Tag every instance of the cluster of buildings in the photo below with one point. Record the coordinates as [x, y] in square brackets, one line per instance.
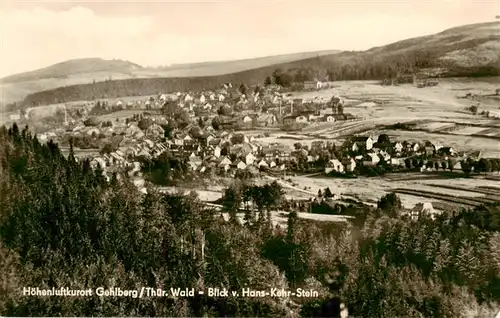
[364, 151]
[207, 144]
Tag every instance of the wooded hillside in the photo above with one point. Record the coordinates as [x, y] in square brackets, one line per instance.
[63, 225]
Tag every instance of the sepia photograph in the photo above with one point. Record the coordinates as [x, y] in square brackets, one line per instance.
[250, 158]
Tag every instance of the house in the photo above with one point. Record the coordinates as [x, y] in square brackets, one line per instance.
[179, 141]
[272, 164]
[334, 165]
[202, 99]
[384, 155]
[217, 152]
[98, 162]
[429, 151]
[397, 162]
[321, 85]
[202, 169]
[475, 155]
[289, 120]
[209, 138]
[241, 150]
[240, 164]
[148, 143]
[309, 85]
[371, 159]
[329, 118]
[155, 131]
[224, 163]
[15, 117]
[250, 159]
[195, 162]
[255, 148]
[422, 208]
[214, 141]
[131, 152]
[398, 147]
[446, 151]
[247, 119]
[360, 142]
[93, 131]
[415, 147]
[349, 164]
[221, 97]
[301, 119]
[188, 140]
[263, 163]
[267, 120]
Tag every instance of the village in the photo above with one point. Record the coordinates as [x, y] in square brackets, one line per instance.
[170, 139]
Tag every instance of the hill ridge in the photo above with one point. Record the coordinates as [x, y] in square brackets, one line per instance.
[468, 50]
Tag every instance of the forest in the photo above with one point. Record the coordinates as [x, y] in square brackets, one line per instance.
[63, 225]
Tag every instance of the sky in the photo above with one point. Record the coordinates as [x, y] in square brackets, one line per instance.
[35, 34]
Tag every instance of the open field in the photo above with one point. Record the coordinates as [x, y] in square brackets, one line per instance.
[411, 188]
[437, 111]
[414, 191]
[203, 195]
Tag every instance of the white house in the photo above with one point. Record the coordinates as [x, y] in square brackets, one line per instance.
[188, 98]
[263, 163]
[98, 162]
[221, 97]
[247, 119]
[362, 143]
[415, 147]
[301, 119]
[241, 165]
[371, 159]
[334, 165]
[225, 163]
[349, 164]
[15, 117]
[321, 84]
[385, 156]
[202, 99]
[329, 119]
[423, 208]
[250, 159]
[398, 147]
[397, 162]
